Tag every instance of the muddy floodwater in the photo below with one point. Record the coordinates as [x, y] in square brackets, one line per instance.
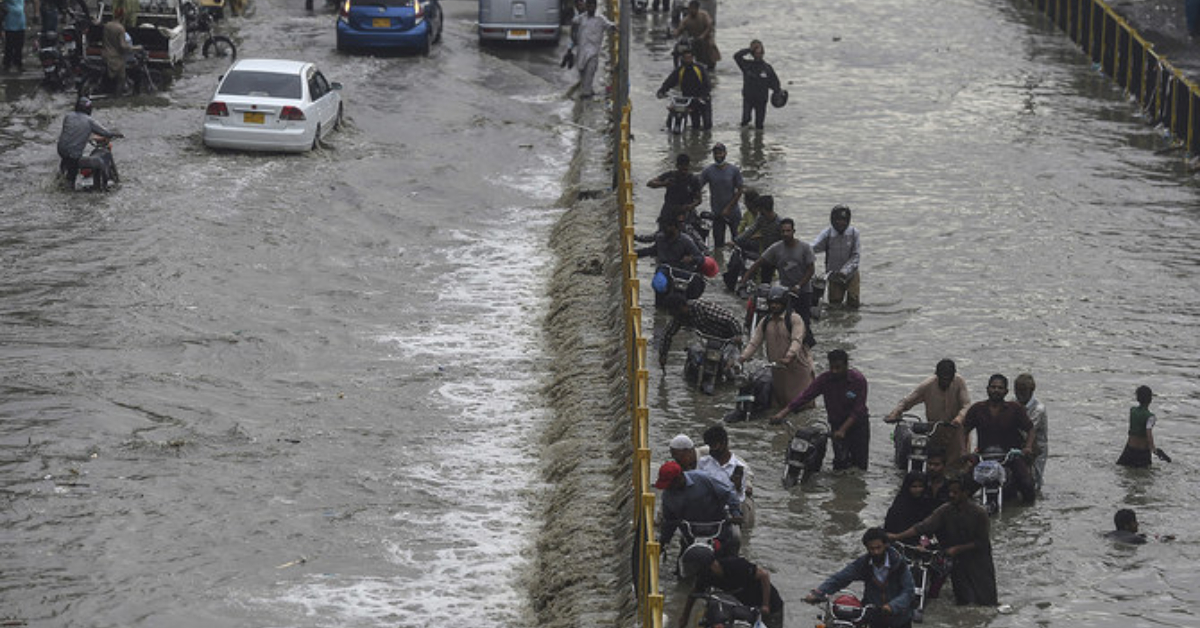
[339, 388]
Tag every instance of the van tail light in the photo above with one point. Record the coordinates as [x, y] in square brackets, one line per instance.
[291, 113]
[344, 12]
[217, 108]
[418, 11]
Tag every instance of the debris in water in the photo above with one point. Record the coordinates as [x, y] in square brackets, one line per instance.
[293, 563]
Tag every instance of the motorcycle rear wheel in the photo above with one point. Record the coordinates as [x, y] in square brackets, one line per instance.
[221, 47]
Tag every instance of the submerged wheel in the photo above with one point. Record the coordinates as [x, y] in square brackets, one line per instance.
[317, 138]
[338, 121]
[221, 47]
[437, 38]
[427, 45]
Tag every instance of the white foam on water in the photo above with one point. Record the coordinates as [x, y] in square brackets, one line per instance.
[464, 557]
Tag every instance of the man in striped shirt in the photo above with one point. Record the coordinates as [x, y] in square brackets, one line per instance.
[707, 318]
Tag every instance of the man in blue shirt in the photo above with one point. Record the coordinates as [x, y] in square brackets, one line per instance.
[695, 497]
[888, 582]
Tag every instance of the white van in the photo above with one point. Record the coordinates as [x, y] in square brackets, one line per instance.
[521, 20]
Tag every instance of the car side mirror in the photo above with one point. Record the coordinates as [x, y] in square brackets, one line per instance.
[220, 78]
[335, 85]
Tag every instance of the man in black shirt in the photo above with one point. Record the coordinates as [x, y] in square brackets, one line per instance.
[744, 580]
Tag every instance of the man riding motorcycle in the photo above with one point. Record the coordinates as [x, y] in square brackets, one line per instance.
[78, 127]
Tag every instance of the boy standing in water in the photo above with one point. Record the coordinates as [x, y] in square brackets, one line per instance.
[1141, 433]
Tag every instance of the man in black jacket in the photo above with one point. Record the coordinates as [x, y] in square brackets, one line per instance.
[758, 80]
[694, 81]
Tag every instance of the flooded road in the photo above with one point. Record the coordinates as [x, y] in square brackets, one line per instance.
[307, 390]
[1015, 217]
[270, 390]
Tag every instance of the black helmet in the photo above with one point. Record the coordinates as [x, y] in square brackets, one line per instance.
[779, 98]
[840, 211]
[778, 294]
[84, 105]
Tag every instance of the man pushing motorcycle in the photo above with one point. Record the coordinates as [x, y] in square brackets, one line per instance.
[79, 127]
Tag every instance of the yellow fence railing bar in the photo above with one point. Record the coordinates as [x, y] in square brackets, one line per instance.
[1167, 96]
[649, 596]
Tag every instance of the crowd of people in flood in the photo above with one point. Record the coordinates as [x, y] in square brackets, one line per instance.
[935, 508]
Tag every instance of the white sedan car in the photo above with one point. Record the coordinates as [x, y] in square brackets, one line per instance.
[272, 105]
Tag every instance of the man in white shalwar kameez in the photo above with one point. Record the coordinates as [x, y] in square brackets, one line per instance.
[587, 37]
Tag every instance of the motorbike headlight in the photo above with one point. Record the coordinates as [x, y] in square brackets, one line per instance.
[920, 441]
[800, 446]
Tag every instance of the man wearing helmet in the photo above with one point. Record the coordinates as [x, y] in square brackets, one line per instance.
[783, 333]
[78, 127]
[707, 318]
[845, 393]
[839, 241]
[742, 579]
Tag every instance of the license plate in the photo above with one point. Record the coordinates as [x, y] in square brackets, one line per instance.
[518, 34]
[254, 117]
[381, 22]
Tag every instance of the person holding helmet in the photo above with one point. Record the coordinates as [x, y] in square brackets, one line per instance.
[839, 241]
[78, 127]
[783, 334]
[694, 81]
[758, 80]
[708, 318]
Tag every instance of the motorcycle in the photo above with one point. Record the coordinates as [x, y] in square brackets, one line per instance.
[925, 564]
[992, 476]
[139, 77]
[639, 6]
[805, 453]
[199, 26]
[679, 110]
[753, 396]
[847, 611]
[757, 307]
[669, 279]
[739, 260]
[724, 610]
[61, 56]
[701, 542]
[708, 360]
[912, 439]
[819, 283]
[98, 167]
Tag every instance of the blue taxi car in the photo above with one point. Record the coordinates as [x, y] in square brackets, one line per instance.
[389, 25]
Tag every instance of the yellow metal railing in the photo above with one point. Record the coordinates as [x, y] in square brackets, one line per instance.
[649, 596]
[1166, 95]
[650, 599]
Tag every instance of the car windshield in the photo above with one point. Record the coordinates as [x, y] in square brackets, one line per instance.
[271, 84]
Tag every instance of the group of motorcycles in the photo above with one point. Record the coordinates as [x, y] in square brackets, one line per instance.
[66, 66]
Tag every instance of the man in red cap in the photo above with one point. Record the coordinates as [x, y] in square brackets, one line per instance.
[694, 497]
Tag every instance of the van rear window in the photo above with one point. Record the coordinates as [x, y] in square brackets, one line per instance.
[270, 84]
